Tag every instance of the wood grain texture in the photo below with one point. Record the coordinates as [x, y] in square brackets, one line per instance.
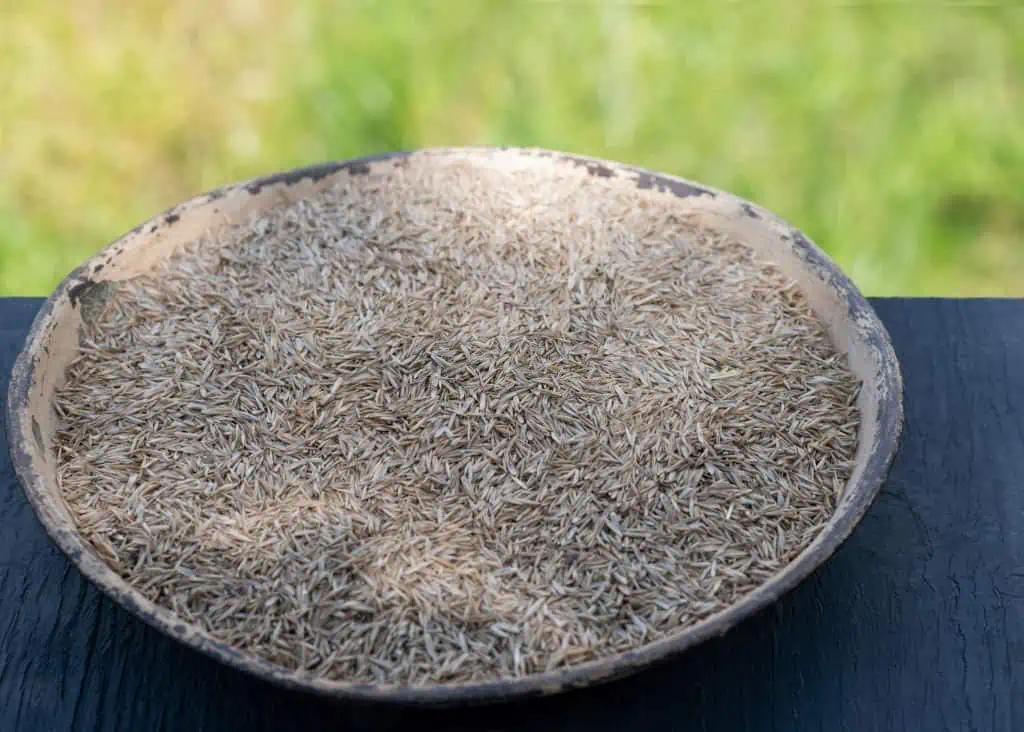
[916, 623]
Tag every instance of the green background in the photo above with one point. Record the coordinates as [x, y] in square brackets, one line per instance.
[891, 133]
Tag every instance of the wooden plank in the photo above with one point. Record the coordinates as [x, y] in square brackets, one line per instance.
[916, 623]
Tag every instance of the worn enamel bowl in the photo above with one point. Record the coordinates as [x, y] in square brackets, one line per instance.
[52, 344]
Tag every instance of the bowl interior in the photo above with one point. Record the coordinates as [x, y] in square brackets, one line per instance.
[53, 344]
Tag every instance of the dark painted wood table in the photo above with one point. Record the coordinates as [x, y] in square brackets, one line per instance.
[917, 623]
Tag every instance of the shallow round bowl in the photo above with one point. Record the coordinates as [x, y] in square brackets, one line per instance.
[53, 342]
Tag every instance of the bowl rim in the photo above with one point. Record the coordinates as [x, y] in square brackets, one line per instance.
[860, 495]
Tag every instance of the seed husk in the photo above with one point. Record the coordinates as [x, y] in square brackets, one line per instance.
[455, 422]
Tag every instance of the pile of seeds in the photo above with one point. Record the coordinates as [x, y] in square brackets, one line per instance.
[455, 422]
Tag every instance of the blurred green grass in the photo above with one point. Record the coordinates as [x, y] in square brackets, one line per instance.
[893, 134]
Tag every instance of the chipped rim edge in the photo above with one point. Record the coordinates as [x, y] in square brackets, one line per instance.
[888, 431]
